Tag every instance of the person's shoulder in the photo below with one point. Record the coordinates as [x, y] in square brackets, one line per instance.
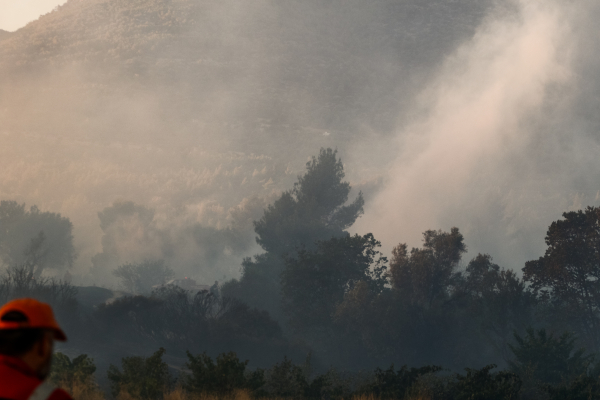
[60, 394]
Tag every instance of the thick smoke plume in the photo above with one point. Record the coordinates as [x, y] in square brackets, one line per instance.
[203, 112]
[469, 157]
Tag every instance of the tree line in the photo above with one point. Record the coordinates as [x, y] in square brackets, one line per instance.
[544, 367]
[318, 289]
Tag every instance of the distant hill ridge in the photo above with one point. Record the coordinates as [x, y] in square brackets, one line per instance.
[340, 54]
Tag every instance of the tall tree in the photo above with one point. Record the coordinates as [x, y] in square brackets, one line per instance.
[541, 359]
[426, 275]
[568, 275]
[313, 210]
[499, 300]
[35, 239]
[314, 282]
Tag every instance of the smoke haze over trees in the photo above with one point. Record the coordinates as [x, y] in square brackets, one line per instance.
[202, 112]
[36, 239]
[145, 140]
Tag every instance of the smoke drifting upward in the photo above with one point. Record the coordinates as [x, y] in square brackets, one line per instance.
[202, 112]
[463, 160]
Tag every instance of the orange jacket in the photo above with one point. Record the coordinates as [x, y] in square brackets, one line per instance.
[18, 382]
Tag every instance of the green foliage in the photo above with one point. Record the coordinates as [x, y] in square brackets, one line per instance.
[222, 377]
[313, 210]
[142, 377]
[542, 359]
[237, 319]
[284, 380]
[139, 278]
[314, 283]
[260, 284]
[69, 372]
[255, 382]
[176, 319]
[567, 276]
[498, 299]
[426, 275]
[359, 316]
[423, 318]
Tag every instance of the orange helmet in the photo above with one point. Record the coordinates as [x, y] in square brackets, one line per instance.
[39, 315]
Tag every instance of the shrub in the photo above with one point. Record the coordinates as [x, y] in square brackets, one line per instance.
[286, 380]
[482, 385]
[76, 376]
[65, 371]
[222, 377]
[547, 359]
[581, 388]
[18, 282]
[541, 360]
[142, 377]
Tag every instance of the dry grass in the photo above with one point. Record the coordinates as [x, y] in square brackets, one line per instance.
[90, 391]
[409, 397]
[364, 397]
[179, 394]
[87, 390]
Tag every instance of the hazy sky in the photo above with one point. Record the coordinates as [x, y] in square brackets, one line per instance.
[15, 14]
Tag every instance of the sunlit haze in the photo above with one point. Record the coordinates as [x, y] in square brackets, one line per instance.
[15, 14]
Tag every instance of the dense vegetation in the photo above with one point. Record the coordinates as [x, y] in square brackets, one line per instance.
[319, 291]
[566, 376]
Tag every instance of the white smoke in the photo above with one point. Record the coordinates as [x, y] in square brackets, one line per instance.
[454, 164]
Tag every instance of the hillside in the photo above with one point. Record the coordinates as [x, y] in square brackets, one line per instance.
[192, 107]
[289, 62]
